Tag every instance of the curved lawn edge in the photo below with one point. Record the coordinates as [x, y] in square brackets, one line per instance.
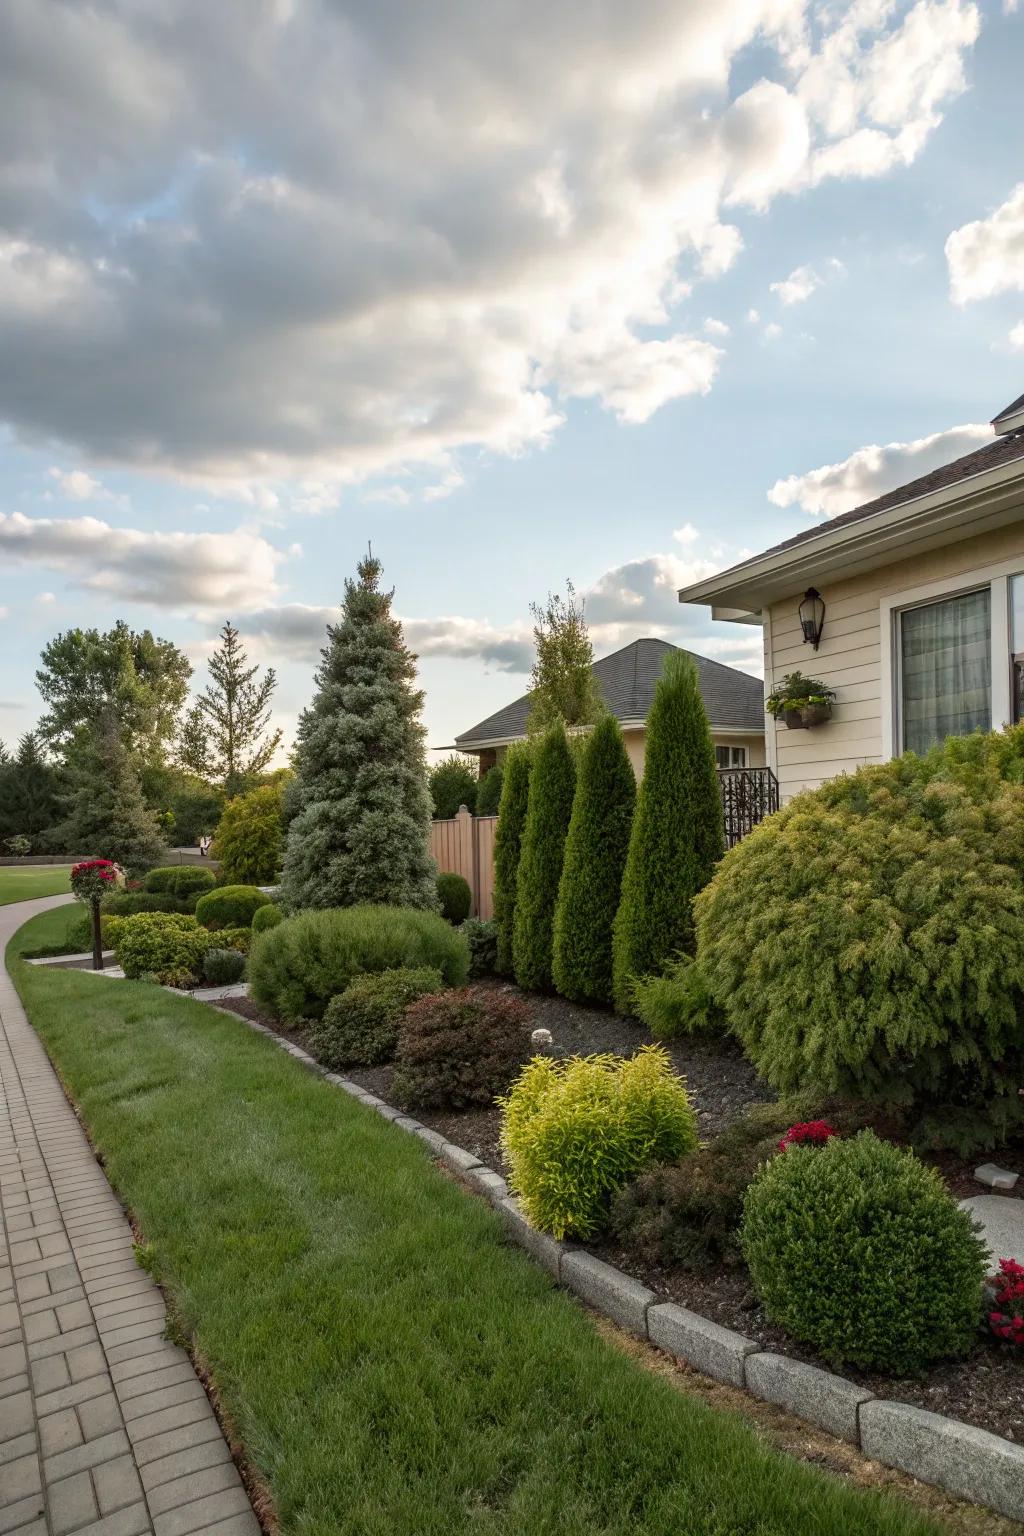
[390, 1363]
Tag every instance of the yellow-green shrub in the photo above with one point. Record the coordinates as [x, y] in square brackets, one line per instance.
[168, 944]
[575, 1131]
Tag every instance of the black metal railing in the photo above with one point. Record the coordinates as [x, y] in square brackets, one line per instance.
[748, 796]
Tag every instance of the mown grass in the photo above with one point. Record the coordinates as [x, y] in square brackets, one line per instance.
[392, 1367]
[28, 881]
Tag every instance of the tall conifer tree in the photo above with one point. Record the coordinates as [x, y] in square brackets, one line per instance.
[508, 847]
[109, 817]
[552, 781]
[225, 735]
[363, 825]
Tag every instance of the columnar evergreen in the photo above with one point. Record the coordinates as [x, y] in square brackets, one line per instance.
[595, 857]
[552, 782]
[677, 836]
[508, 847]
[362, 830]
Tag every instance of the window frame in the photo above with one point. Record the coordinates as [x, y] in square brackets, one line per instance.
[727, 746]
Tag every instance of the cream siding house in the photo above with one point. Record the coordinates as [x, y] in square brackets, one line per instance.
[734, 702]
[923, 630]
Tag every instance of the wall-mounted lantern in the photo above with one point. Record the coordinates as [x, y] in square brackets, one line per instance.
[812, 616]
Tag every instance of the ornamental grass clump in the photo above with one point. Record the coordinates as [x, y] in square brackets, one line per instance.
[360, 1025]
[858, 1249]
[457, 1050]
[575, 1131]
[868, 939]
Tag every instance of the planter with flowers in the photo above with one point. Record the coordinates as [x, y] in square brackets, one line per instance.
[90, 882]
[801, 701]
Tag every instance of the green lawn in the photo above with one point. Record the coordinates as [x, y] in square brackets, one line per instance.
[22, 883]
[392, 1367]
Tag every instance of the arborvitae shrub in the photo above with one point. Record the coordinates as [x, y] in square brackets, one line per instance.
[677, 1003]
[266, 917]
[360, 1025]
[482, 938]
[508, 840]
[677, 835]
[297, 967]
[575, 1131]
[459, 1049]
[595, 857]
[488, 791]
[222, 967]
[230, 906]
[860, 1251]
[869, 938]
[455, 897]
[250, 837]
[552, 783]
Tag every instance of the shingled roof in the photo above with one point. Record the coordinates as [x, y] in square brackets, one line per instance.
[734, 700]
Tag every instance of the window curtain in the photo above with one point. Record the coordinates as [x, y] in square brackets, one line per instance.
[946, 669]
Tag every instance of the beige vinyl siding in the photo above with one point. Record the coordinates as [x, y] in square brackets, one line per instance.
[756, 757]
[849, 659]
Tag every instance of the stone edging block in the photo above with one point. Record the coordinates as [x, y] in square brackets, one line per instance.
[969, 1462]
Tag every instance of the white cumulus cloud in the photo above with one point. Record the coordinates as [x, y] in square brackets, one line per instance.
[871, 471]
[986, 257]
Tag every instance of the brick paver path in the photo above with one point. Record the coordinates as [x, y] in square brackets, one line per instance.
[104, 1427]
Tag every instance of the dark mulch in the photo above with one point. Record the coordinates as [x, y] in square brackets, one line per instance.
[986, 1389]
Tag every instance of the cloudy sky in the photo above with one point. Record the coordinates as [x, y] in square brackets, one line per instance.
[519, 292]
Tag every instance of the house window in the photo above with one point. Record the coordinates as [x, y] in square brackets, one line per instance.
[730, 757]
[945, 668]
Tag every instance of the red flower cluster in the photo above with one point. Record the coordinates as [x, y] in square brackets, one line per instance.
[1007, 1323]
[807, 1133]
[102, 868]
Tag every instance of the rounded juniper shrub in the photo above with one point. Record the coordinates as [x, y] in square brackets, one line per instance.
[266, 917]
[859, 1250]
[574, 1131]
[460, 1049]
[455, 896]
[222, 967]
[230, 906]
[360, 1025]
[869, 939]
[296, 967]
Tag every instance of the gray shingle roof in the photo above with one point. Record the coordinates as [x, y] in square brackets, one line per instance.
[734, 700]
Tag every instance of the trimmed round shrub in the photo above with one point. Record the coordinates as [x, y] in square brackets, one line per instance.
[127, 903]
[249, 840]
[575, 1131]
[459, 1049]
[552, 782]
[361, 1024]
[482, 938]
[455, 896]
[182, 880]
[230, 906]
[858, 1249]
[170, 944]
[508, 840]
[267, 916]
[488, 791]
[869, 939]
[222, 967]
[296, 967]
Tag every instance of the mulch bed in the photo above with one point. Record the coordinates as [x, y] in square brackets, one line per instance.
[986, 1389]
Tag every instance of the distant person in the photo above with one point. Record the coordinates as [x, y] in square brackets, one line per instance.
[204, 846]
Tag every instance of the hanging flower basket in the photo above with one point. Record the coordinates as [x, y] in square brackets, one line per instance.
[801, 701]
[801, 717]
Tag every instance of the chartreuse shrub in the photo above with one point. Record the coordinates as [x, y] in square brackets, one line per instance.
[552, 783]
[860, 1251]
[298, 966]
[79, 932]
[171, 945]
[508, 841]
[677, 835]
[222, 967]
[361, 1024]
[595, 857]
[182, 880]
[250, 837]
[869, 939]
[482, 937]
[267, 916]
[230, 906]
[679, 1002]
[575, 1131]
[454, 895]
[460, 1049]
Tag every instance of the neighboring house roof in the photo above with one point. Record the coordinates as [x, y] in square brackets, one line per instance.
[970, 495]
[734, 700]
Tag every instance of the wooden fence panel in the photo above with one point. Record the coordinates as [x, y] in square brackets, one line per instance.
[465, 846]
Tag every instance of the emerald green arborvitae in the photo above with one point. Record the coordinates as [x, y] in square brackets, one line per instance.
[595, 857]
[362, 830]
[552, 782]
[677, 836]
[508, 842]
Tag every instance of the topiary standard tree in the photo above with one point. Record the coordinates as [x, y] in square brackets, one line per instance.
[677, 837]
[508, 842]
[552, 783]
[362, 829]
[109, 816]
[595, 857]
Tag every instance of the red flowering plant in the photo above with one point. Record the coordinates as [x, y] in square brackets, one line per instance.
[90, 882]
[807, 1133]
[1006, 1289]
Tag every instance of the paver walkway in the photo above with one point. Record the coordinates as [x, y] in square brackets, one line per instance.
[104, 1427]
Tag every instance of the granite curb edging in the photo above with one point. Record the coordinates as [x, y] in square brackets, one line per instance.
[972, 1463]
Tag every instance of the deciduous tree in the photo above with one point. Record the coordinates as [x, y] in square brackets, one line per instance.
[562, 684]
